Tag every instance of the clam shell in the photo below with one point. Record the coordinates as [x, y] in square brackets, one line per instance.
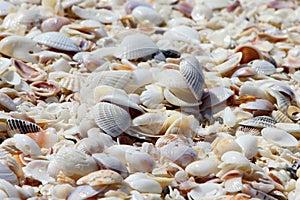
[44, 138]
[28, 72]
[249, 53]
[192, 72]
[56, 40]
[259, 122]
[18, 126]
[54, 23]
[258, 104]
[141, 183]
[279, 137]
[136, 46]
[112, 119]
[131, 5]
[19, 47]
[44, 89]
[37, 169]
[140, 161]
[27, 145]
[249, 145]
[181, 97]
[11, 77]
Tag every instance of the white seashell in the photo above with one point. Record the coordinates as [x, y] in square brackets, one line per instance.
[146, 15]
[8, 175]
[171, 78]
[150, 123]
[54, 23]
[235, 158]
[102, 15]
[229, 117]
[6, 8]
[89, 145]
[27, 145]
[263, 67]
[221, 145]
[175, 99]
[142, 183]
[46, 138]
[6, 103]
[288, 127]
[220, 38]
[230, 64]
[139, 161]
[202, 168]
[152, 96]
[83, 192]
[136, 46]
[8, 189]
[110, 162]
[112, 119]
[11, 77]
[207, 190]
[37, 169]
[182, 33]
[215, 96]
[61, 191]
[258, 104]
[56, 40]
[119, 151]
[72, 162]
[19, 47]
[233, 184]
[192, 72]
[100, 178]
[248, 143]
[279, 137]
[4, 64]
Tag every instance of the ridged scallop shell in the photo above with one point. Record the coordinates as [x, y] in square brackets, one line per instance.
[19, 47]
[145, 14]
[263, 67]
[18, 126]
[136, 46]
[280, 117]
[259, 122]
[152, 96]
[247, 130]
[56, 40]
[192, 72]
[279, 137]
[282, 101]
[112, 119]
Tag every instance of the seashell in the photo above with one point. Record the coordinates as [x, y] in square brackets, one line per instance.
[37, 169]
[291, 128]
[102, 15]
[82, 192]
[229, 117]
[180, 154]
[248, 143]
[203, 168]
[131, 5]
[112, 119]
[182, 33]
[262, 67]
[18, 126]
[144, 14]
[150, 123]
[7, 174]
[185, 8]
[8, 190]
[249, 53]
[282, 102]
[54, 23]
[44, 138]
[44, 89]
[28, 72]
[152, 96]
[136, 46]
[206, 190]
[233, 181]
[280, 117]
[258, 104]
[259, 122]
[215, 96]
[231, 62]
[11, 77]
[20, 48]
[119, 151]
[280, 5]
[139, 161]
[100, 178]
[223, 145]
[6, 8]
[61, 191]
[192, 72]
[27, 145]
[110, 162]
[244, 72]
[171, 138]
[293, 112]
[72, 162]
[141, 183]
[279, 137]
[57, 41]
[234, 158]
[181, 97]
[6, 103]
[89, 146]
[171, 78]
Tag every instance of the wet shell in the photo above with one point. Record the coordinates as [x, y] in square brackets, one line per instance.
[259, 122]
[112, 119]
[18, 126]
[100, 178]
[192, 72]
[56, 40]
[279, 137]
[136, 46]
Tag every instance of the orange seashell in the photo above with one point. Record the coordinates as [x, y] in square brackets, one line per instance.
[249, 53]
[44, 138]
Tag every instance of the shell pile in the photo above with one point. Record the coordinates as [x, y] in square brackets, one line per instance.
[164, 99]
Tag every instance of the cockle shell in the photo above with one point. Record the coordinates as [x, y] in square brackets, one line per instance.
[56, 40]
[18, 126]
[258, 104]
[279, 137]
[101, 178]
[259, 122]
[152, 96]
[19, 47]
[263, 67]
[111, 118]
[136, 46]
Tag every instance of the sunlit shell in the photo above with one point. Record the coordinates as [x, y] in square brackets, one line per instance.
[145, 14]
[44, 138]
[258, 104]
[28, 72]
[112, 119]
[282, 101]
[151, 123]
[89, 145]
[131, 5]
[83, 191]
[279, 137]
[142, 183]
[249, 145]
[140, 161]
[136, 46]
[101, 177]
[259, 122]
[19, 47]
[27, 145]
[8, 190]
[18, 126]
[281, 117]
[223, 145]
[215, 96]
[182, 33]
[152, 96]
[56, 40]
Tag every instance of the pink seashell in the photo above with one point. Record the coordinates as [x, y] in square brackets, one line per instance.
[184, 8]
[44, 89]
[28, 72]
[54, 23]
[281, 4]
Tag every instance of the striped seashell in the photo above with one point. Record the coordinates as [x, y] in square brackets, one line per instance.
[192, 72]
[56, 40]
[18, 126]
[136, 46]
[263, 67]
[282, 102]
[247, 130]
[280, 117]
[111, 118]
[259, 122]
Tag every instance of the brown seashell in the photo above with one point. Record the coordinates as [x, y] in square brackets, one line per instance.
[249, 53]
[44, 89]
[293, 112]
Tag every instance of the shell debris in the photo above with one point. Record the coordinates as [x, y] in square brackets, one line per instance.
[143, 99]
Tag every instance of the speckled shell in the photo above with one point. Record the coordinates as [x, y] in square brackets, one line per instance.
[56, 40]
[112, 119]
[136, 46]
